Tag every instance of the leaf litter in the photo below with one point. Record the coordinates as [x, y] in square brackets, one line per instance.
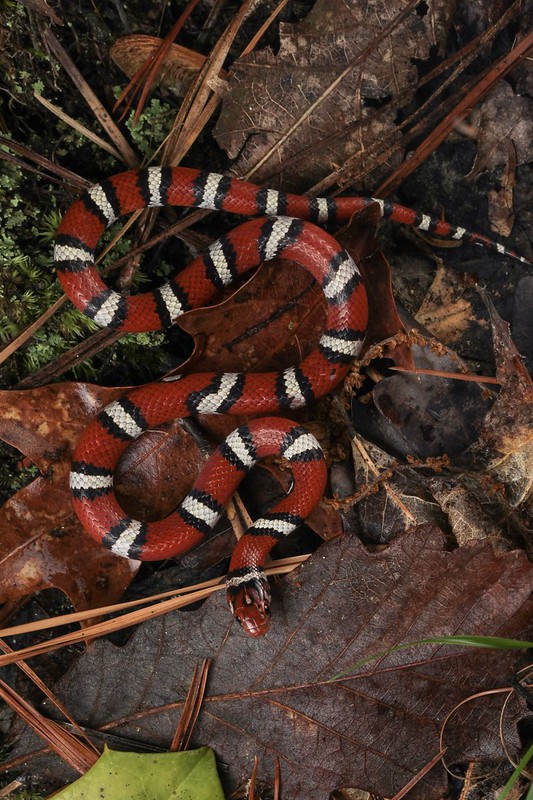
[273, 699]
[295, 97]
[43, 544]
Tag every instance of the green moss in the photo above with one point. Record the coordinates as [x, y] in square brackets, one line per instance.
[14, 473]
[28, 284]
[152, 126]
[29, 216]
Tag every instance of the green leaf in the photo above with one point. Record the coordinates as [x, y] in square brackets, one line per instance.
[189, 775]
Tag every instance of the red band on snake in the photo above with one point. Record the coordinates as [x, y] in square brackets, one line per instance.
[103, 442]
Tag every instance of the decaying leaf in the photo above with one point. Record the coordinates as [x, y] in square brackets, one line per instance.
[422, 415]
[42, 543]
[505, 116]
[487, 434]
[330, 89]
[468, 519]
[501, 211]
[445, 311]
[403, 499]
[272, 697]
[505, 444]
[158, 471]
[504, 140]
[522, 320]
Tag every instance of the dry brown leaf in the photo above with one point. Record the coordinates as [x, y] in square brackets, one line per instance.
[177, 71]
[271, 697]
[292, 96]
[501, 210]
[402, 501]
[468, 519]
[445, 311]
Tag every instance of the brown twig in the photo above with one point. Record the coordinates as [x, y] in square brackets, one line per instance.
[456, 376]
[51, 697]
[99, 111]
[78, 755]
[460, 111]
[360, 58]
[185, 597]
[147, 72]
[185, 128]
[191, 707]
[383, 149]
[419, 775]
[59, 173]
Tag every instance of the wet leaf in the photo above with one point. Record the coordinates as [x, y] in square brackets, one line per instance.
[501, 211]
[42, 543]
[271, 322]
[272, 697]
[485, 433]
[156, 473]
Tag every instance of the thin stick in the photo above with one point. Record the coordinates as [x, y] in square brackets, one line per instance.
[419, 775]
[461, 110]
[99, 111]
[77, 126]
[281, 567]
[456, 376]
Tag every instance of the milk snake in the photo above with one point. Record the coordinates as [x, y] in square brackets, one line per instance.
[282, 233]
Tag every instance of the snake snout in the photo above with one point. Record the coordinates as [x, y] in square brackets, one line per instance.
[250, 605]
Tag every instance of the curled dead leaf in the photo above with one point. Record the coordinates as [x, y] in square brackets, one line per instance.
[177, 71]
[445, 311]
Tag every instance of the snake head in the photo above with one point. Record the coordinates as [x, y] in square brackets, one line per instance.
[249, 601]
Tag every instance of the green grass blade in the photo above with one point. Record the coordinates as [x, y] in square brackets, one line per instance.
[493, 642]
[520, 767]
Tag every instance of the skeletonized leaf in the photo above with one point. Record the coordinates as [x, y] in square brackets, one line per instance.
[292, 97]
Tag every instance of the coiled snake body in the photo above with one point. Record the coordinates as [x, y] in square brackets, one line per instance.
[284, 234]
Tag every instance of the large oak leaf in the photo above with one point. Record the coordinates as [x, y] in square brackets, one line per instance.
[272, 696]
